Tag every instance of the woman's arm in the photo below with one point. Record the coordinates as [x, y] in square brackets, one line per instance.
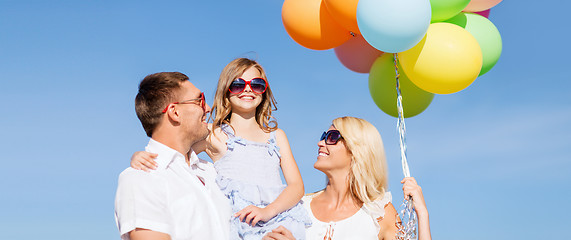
[289, 196]
[412, 189]
[388, 223]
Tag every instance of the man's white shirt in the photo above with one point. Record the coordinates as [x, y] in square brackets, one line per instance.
[172, 199]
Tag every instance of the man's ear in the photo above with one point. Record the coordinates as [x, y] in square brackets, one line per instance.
[173, 114]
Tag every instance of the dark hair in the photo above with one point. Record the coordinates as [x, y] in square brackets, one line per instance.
[156, 91]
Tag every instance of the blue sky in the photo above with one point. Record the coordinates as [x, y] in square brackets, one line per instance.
[493, 159]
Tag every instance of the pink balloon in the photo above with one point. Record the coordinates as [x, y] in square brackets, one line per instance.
[357, 55]
[485, 14]
[480, 5]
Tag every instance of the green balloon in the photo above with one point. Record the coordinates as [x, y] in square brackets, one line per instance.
[382, 86]
[445, 9]
[485, 33]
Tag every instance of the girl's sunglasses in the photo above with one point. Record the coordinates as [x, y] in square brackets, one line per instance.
[258, 85]
[331, 137]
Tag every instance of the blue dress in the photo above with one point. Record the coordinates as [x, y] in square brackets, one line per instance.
[249, 174]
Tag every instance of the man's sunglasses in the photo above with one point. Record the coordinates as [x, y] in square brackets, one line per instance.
[201, 102]
[331, 137]
[258, 85]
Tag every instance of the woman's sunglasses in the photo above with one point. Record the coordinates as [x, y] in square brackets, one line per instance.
[331, 137]
[258, 85]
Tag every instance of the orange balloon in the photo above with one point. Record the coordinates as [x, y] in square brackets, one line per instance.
[345, 13]
[309, 23]
[481, 5]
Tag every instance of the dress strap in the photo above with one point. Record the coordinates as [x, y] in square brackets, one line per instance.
[273, 146]
[227, 129]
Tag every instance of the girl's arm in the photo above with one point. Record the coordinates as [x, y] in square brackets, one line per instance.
[289, 196]
[144, 161]
[216, 143]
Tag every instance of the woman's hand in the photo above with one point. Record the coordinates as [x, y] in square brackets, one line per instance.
[144, 161]
[280, 233]
[411, 189]
[252, 215]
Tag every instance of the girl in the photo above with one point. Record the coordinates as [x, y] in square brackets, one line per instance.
[248, 149]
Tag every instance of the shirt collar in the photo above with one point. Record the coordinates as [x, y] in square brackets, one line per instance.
[193, 158]
[167, 155]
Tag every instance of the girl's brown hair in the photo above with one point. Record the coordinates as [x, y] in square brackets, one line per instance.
[221, 108]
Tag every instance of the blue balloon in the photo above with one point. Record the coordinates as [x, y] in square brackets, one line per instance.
[393, 25]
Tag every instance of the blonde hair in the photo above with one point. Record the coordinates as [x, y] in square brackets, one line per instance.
[367, 178]
[222, 109]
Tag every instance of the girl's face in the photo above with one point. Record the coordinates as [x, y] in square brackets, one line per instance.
[332, 157]
[247, 100]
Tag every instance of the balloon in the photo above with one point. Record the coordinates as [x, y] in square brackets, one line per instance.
[382, 86]
[485, 13]
[485, 33]
[445, 9]
[309, 24]
[481, 5]
[393, 26]
[447, 60]
[344, 12]
[357, 55]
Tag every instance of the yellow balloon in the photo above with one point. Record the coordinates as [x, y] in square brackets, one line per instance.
[447, 60]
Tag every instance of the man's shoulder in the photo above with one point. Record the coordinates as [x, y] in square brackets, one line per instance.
[134, 176]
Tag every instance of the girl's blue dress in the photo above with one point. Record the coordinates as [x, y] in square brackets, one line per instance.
[249, 174]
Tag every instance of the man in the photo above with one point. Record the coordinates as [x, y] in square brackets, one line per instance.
[180, 200]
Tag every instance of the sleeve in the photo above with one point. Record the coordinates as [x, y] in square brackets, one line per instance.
[141, 202]
[376, 209]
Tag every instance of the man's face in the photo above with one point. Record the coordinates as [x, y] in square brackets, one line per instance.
[192, 115]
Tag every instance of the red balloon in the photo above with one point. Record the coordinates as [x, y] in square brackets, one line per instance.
[357, 54]
[485, 13]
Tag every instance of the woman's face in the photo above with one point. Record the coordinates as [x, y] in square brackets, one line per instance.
[247, 100]
[332, 157]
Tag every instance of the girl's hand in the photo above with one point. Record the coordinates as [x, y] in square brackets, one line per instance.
[280, 233]
[411, 189]
[252, 215]
[144, 161]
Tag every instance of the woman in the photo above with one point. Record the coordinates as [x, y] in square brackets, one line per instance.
[355, 203]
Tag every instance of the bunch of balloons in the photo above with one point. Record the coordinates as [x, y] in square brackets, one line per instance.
[442, 45]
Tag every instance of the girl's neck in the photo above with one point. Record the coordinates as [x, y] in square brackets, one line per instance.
[244, 120]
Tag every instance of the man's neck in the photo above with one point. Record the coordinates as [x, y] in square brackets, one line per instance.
[174, 141]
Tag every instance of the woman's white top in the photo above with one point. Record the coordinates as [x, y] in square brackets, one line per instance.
[362, 225]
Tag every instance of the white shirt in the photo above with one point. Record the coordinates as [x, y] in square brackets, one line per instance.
[362, 225]
[172, 199]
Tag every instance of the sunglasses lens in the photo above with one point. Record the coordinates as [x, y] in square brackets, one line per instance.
[332, 137]
[237, 86]
[323, 136]
[258, 85]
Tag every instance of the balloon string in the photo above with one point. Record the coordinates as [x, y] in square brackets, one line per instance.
[406, 229]
[400, 123]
